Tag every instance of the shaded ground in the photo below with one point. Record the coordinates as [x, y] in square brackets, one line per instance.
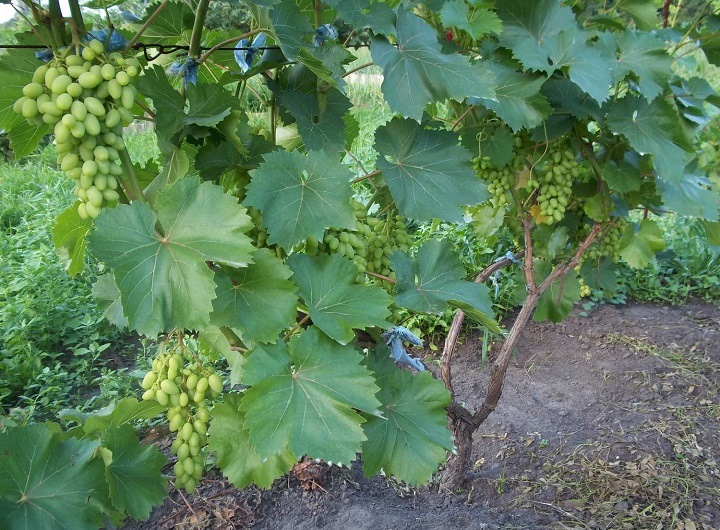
[610, 421]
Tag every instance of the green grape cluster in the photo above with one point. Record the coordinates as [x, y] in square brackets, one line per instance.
[183, 386]
[608, 244]
[258, 233]
[500, 179]
[554, 182]
[585, 290]
[369, 246]
[87, 98]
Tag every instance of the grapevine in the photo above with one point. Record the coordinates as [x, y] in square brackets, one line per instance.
[88, 98]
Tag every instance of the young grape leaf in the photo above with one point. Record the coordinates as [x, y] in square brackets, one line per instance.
[712, 232]
[48, 483]
[498, 145]
[559, 298]
[301, 195]
[643, 12]
[479, 22]
[24, 138]
[411, 439]
[236, 457]
[360, 14]
[622, 177]
[291, 28]
[69, 235]
[244, 296]
[435, 279]
[135, 473]
[652, 128]
[169, 103]
[550, 240]
[169, 26]
[638, 249]
[416, 72]
[159, 257]
[518, 100]
[336, 303]
[126, 412]
[17, 69]
[108, 298]
[320, 131]
[209, 104]
[306, 399]
[428, 173]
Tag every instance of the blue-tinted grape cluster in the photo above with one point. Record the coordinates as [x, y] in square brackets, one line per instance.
[183, 385]
[87, 98]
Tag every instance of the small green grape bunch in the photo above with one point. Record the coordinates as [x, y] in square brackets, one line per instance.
[389, 235]
[500, 179]
[608, 244]
[258, 233]
[555, 182]
[180, 382]
[87, 98]
[585, 290]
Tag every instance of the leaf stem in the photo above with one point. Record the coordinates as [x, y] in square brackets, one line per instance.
[146, 25]
[57, 26]
[358, 68]
[366, 176]
[380, 276]
[129, 180]
[296, 327]
[198, 26]
[76, 15]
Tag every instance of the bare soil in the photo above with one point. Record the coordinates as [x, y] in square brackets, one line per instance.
[610, 421]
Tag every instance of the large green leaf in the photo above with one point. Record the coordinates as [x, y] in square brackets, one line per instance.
[170, 25]
[69, 235]
[320, 131]
[638, 248]
[375, 15]
[428, 173]
[135, 472]
[259, 299]
[645, 58]
[336, 303]
[16, 70]
[291, 28]
[643, 12]
[600, 273]
[24, 138]
[159, 257]
[519, 102]
[209, 104]
[652, 128]
[169, 103]
[477, 21]
[301, 195]
[236, 457]
[304, 397]
[435, 278]
[126, 412]
[559, 298]
[411, 438]
[416, 72]
[693, 196]
[528, 25]
[48, 483]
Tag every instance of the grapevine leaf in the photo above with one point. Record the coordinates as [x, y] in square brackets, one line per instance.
[320, 131]
[638, 249]
[291, 28]
[69, 239]
[209, 104]
[24, 138]
[643, 12]
[308, 401]
[519, 102]
[336, 303]
[559, 298]
[411, 439]
[17, 70]
[170, 25]
[48, 483]
[692, 196]
[528, 25]
[236, 457]
[108, 298]
[499, 146]
[244, 296]
[600, 274]
[428, 173]
[435, 279]
[176, 164]
[377, 16]
[644, 57]
[135, 473]
[550, 241]
[416, 72]
[327, 62]
[566, 97]
[486, 220]
[622, 177]
[169, 103]
[456, 13]
[126, 412]
[712, 231]
[301, 195]
[159, 259]
[597, 208]
[215, 160]
[652, 128]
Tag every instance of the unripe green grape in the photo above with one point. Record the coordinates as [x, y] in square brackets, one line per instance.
[94, 106]
[60, 84]
[149, 380]
[150, 393]
[167, 385]
[64, 102]
[125, 116]
[29, 108]
[123, 78]
[39, 74]
[92, 125]
[112, 118]
[115, 89]
[128, 96]
[200, 427]
[102, 90]
[215, 383]
[96, 46]
[90, 80]
[33, 90]
[186, 432]
[107, 71]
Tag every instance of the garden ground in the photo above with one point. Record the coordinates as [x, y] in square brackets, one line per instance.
[610, 421]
